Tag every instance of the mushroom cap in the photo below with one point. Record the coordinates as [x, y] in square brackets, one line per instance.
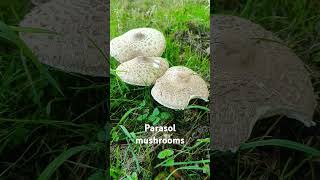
[38, 2]
[178, 86]
[254, 76]
[146, 42]
[79, 23]
[142, 71]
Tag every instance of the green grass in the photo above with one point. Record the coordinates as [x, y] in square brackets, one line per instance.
[48, 118]
[185, 25]
[297, 24]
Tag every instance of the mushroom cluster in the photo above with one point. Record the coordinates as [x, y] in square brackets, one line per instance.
[139, 51]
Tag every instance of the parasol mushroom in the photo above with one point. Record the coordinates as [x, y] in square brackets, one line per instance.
[137, 42]
[81, 43]
[178, 86]
[254, 76]
[142, 71]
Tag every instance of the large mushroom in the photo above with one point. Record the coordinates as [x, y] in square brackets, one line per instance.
[137, 42]
[178, 86]
[81, 43]
[142, 71]
[254, 76]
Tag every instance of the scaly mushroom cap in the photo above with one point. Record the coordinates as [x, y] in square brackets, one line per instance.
[254, 76]
[178, 86]
[82, 31]
[142, 71]
[38, 2]
[146, 42]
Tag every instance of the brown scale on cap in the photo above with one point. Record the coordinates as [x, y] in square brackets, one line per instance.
[139, 36]
[254, 76]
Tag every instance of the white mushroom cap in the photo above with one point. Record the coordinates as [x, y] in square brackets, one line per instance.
[178, 86]
[39, 2]
[142, 71]
[82, 29]
[254, 77]
[137, 42]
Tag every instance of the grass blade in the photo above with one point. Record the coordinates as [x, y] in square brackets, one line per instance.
[198, 107]
[282, 143]
[126, 132]
[189, 162]
[184, 168]
[58, 161]
[32, 30]
[9, 34]
[33, 88]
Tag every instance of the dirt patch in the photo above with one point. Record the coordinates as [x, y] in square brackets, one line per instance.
[196, 36]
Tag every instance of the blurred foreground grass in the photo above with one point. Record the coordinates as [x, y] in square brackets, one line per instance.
[44, 131]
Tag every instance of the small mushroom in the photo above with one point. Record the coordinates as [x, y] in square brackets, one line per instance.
[254, 76]
[178, 86]
[146, 42]
[80, 43]
[142, 71]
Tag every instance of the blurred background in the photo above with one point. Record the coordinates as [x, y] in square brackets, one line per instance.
[297, 23]
[42, 124]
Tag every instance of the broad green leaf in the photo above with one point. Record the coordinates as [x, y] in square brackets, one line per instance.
[165, 115]
[142, 117]
[156, 121]
[165, 153]
[169, 162]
